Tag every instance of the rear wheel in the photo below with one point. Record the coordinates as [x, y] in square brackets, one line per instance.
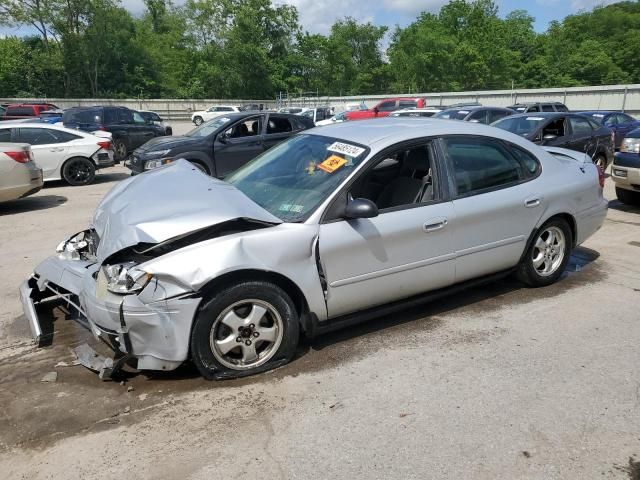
[198, 121]
[246, 328]
[627, 196]
[119, 149]
[548, 254]
[79, 171]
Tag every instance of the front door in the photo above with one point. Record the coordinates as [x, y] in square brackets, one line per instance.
[238, 145]
[404, 251]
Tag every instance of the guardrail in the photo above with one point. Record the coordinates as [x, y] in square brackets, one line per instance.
[608, 97]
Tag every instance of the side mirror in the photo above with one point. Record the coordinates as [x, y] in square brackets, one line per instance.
[548, 137]
[224, 137]
[361, 208]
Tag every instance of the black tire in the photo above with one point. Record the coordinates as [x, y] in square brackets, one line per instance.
[120, 150]
[627, 196]
[600, 160]
[168, 132]
[531, 273]
[198, 121]
[238, 302]
[79, 171]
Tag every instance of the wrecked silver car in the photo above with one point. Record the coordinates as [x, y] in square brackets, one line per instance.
[323, 230]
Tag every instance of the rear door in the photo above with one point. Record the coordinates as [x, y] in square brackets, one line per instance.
[239, 144]
[581, 139]
[49, 148]
[497, 201]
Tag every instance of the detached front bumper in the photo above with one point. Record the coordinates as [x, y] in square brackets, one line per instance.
[151, 327]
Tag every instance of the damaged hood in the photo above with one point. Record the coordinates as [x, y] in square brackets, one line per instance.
[165, 203]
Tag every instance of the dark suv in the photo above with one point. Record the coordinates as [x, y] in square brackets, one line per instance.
[222, 145]
[528, 107]
[19, 111]
[128, 128]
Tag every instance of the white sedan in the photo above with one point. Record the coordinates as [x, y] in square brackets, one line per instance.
[62, 153]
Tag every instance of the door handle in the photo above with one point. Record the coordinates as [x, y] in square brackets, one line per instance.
[433, 225]
[532, 202]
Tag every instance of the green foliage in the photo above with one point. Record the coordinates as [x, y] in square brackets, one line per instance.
[256, 48]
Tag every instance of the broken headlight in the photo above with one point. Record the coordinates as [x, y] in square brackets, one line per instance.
[125, 278]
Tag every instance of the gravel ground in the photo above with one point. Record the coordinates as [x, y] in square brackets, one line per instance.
[497, 382]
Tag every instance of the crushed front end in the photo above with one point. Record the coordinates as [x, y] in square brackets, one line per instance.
[144, 319]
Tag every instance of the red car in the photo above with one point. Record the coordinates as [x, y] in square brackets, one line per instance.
[18, 111]
[385, 107]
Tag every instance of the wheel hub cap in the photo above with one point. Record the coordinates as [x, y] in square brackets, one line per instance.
[548, 252]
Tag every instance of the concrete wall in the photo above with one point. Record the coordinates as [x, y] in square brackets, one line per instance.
[610, 97]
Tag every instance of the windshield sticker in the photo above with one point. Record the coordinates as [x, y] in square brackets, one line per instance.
[535, 119]
[288, 207]
[332, 164]
[311, 168]
[463, 112]
[598, 115]
[225, 119]
[345, 149]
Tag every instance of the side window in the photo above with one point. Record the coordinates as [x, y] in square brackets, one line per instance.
[126, 116]
[388, 106]
[530, 163]
[278, 125]
[556, 127]
[622, 118]
[547, 108]
[561, 108]
[249, 127]
[479, 117]
[408, 103]
[138, 119]
[580, 126]
[533, 108]
[36, 136]
[482, 164]
[403, 177]
[611, 121]
[111, 116]
[495, 115]
[5, 135]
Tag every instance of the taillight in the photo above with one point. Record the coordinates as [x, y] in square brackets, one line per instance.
[600, 176]
[105, 145]
[103, 128]
[20, 157]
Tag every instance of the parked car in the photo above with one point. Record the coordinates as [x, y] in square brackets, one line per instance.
[565, 130]
[128, 128]
[385, 107]
[337, 118]
[19, 174]
[293, 110]
[17, 111]
[334, 225]
[620, 123]
[62, 153]
[154, 118]
[475, 114]
[252, 107]
[222, 145]
[416, 112]
[202, 116]
[317, 114]
[528, 107]
[625, 170]
[52, 116]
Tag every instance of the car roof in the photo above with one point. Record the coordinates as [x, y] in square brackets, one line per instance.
[547, 114]
[536, 103]
[50, 126]
[382, 132]
[602, 112]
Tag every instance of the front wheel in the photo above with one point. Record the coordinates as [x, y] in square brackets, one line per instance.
[548, 254]
[198, 121]
[246, 328]
[79, 171]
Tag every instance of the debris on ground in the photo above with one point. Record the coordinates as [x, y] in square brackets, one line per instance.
[130, 389]
[50, 377]
[67, 364]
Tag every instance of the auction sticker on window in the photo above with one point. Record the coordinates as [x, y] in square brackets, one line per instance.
[345, 149]
[333, 163]
[535, 119]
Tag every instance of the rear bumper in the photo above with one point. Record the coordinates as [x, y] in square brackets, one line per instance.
[152, 330]
[19, 186]
[590, 221]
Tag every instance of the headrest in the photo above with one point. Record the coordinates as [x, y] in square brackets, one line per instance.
[417, 159]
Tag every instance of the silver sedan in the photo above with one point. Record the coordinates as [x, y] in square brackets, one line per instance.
[330, 227]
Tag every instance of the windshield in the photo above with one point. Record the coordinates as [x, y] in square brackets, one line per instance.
[452, 114]
[293, 178]
[209, 127]
[520, 125]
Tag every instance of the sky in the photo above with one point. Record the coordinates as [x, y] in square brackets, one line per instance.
[317, 16]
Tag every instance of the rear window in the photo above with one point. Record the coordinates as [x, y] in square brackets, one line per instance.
[547, 108]
[408, 103]
[87, 117]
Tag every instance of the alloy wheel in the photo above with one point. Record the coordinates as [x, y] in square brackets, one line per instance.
[549, 250]
[246, 334]
[79, 171]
